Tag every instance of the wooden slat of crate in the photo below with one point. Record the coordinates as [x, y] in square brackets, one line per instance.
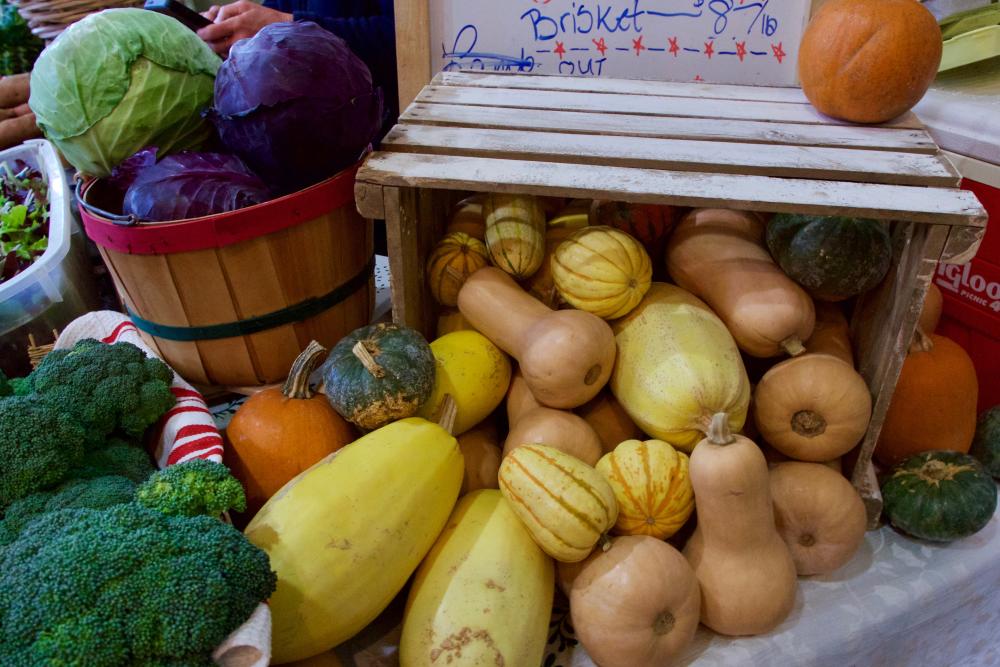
[811, 162]
[666, 127]
[652, 186]
[623, 86]
[648, 105]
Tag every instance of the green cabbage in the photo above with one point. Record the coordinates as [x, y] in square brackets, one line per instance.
[121, 80]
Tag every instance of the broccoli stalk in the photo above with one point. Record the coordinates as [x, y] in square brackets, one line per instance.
[192, 488]
[126, 585]
[107, 388]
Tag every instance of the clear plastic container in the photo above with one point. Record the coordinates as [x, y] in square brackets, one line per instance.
[59, 286]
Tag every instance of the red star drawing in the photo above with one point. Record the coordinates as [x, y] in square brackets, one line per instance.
[709, 49]
[673, 46]
[601, 46]
[698, 77]
[779, 53]
[637, 45]
[560, 49]
[741, 50]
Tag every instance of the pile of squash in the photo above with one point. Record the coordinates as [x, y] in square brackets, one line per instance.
[571, 418]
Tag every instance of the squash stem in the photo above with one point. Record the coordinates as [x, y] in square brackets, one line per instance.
[447, 413]
[793, 346]
[364, 355]
[718, 430]
[921, 342]
[297, 384]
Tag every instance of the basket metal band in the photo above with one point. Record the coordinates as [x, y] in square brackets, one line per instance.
[294, 313]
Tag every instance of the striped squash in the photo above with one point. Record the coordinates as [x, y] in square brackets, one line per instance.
[602, 270]
[515, 233]
[651, 484]
[456, 257]
[565, 504]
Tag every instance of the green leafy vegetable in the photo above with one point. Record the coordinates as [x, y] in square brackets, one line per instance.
[18, 47]
[24, 218]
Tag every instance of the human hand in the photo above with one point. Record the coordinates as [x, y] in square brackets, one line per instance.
[237, 21]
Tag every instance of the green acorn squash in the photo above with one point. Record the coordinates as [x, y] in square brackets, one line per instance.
[378, 374]
[939, 496]
[986, 445]
[833, 258]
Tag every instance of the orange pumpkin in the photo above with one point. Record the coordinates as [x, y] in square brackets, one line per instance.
[934, 405]
[868, 61]
[278, 433]
[456, 257]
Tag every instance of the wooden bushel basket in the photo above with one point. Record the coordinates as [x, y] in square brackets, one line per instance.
[232, 299]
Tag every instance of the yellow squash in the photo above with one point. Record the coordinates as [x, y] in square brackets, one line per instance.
[515, 233]
[483, 595]
[651, 483]
[565, 504]
[602, 270]
[677, 366]
[474, 371]
[346, 534]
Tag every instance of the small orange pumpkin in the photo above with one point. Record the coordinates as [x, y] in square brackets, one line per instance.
[456, 257]
[868, 61]
[278, 433]
[934, 405]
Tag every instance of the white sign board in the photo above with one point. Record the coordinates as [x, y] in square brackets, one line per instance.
[720, 41]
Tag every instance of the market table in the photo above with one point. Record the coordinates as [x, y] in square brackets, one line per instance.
[899, 602]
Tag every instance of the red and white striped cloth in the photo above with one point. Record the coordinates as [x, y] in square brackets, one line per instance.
[187, 431]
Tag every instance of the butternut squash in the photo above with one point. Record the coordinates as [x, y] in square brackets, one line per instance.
[819, 515]
[566, 356]
[635, 605]
[483, 595]
[813, 407]
[677, 366]
[609, 420]
[473, 371]
[532, 423]
[335, 573]
[481, 452]
[719, 255]
[745, 570]
[832, 334]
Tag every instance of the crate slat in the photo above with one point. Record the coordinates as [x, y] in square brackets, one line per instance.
[637, 104]
[757, 193]
[729, 157]
[622, 86]
[667, 127]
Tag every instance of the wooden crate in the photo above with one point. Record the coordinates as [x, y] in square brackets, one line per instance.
[684, 144]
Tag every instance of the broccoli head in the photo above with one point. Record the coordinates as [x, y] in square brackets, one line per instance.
[117, 458]
[107, 388]
[39, 444]
[191, 488]
[95, 493]
[126, 585]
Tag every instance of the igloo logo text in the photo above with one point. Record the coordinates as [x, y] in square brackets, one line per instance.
[968, 282]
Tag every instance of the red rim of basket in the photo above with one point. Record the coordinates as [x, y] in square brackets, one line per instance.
[218, 231]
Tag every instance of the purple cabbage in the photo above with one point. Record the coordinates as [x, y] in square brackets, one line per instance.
[296, 104]
[124, 174]
[192, 185]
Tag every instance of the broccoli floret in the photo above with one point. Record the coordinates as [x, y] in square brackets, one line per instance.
[116, 459]
[105, 387]
[126, 586]
[191, 488]
[96, 493]
[39, 444]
